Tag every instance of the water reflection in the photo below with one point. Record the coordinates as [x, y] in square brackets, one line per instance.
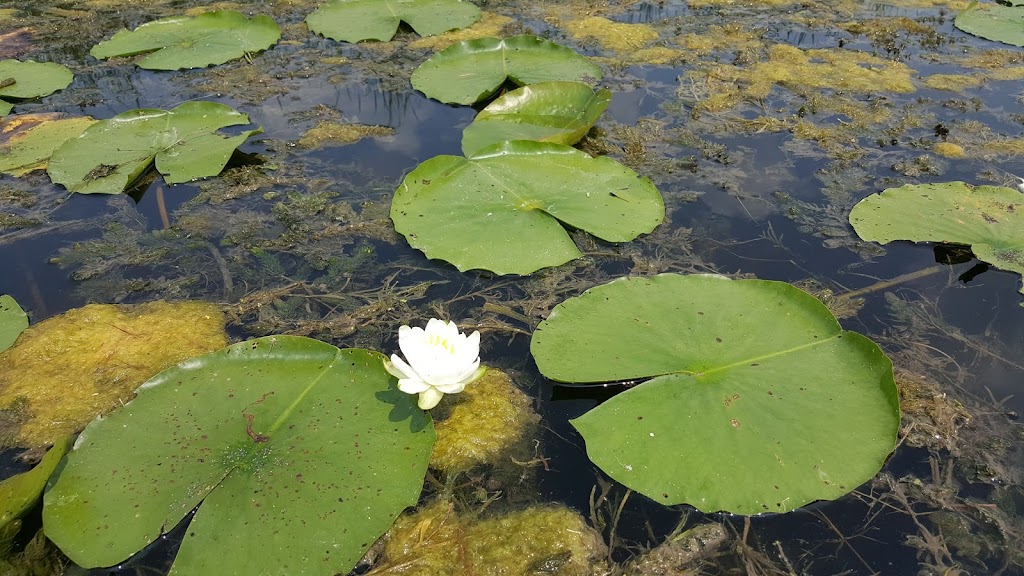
[648, 12]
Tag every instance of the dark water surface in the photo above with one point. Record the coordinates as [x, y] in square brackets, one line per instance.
[740, 200]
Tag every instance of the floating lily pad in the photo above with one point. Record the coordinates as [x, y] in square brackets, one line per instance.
[757, 400]
[473, 70]
[64, 371]
[503, 209]
[13, 321]
[288, 442]
[559, 112]
[993, 22]
[28, 140]
[19, 493]
[989, 219]
[184, 144]
[357, 20]
[30, 80]
[192, 42]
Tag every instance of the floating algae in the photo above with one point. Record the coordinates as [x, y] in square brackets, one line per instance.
[64, 371]
[491, 417]
[436, 540]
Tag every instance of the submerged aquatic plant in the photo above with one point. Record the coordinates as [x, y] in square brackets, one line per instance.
[439, 360]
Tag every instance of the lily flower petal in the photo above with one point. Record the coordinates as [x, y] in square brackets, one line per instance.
[438, 360]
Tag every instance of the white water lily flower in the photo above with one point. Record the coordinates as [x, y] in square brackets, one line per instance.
[439, 360]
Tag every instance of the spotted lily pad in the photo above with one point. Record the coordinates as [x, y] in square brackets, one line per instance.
[473, 70]
[993, 22]
[754, 400]
[299, 456]
[560, 112]
[192, 42]
[13, 321]
[358, 20]
[989, 219]
[20, 80]
[503, 208]
[64, 371]
[183, 143]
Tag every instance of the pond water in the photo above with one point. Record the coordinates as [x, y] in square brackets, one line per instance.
[756, 184]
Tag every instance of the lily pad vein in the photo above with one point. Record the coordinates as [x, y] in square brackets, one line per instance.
[756, 359]
[305, 392]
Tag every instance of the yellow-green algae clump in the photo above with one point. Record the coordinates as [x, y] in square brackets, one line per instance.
[953, 82]
[326, 133]
[803, 70]
[617, 36]
[548, 539]
[64, 371]
[490, 417]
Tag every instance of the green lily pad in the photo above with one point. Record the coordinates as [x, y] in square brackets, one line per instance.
[183, 143]
[192, 42]
[758, 401]
[30, 80]
[28, 140]
[473, 70]
[989, 219]
[993, 22]
[13, 321]
[357, 20]
[299, 455]
[19, 493]
[502, 209]
[559, 112]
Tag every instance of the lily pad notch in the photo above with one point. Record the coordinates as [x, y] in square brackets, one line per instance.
[503, 209]
[473, 70]
[192, 42]
[358, 20]
[989, 219]
[182, 143]
[281, 419]
[755, 399]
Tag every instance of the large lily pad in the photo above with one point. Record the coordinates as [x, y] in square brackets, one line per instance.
[993, 22]
[28, 140]
[298, 454]
[183, 143]
[758, 401]
[192, 42]
[13, 321]
[357, 20]
[64, 371]
[990, 219]
[473, 70]
[560, 112]
[30, 80]
[503, 208]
